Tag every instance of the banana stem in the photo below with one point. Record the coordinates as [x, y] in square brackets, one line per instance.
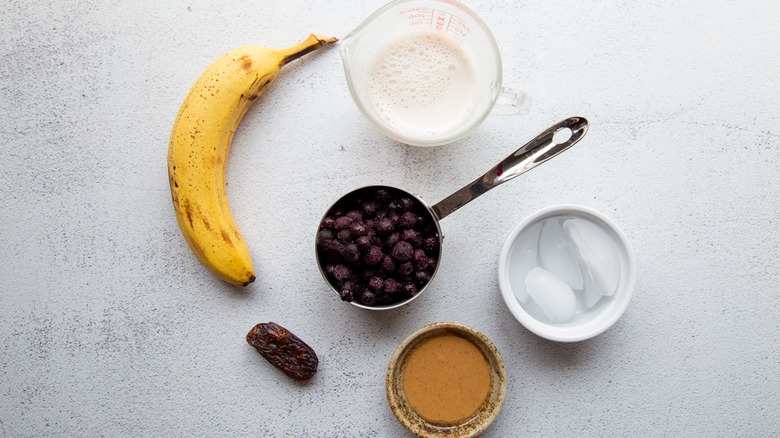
[310, 44]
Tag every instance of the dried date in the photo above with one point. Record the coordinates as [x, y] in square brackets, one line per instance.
[284, 350]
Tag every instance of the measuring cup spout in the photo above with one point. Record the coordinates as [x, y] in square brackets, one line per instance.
[535, 152]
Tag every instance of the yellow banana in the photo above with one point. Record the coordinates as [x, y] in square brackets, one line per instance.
[199, 147]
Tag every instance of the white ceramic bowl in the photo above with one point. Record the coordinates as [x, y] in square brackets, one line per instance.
[588, 322]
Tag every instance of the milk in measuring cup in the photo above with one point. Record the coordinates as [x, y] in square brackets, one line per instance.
[422, 84]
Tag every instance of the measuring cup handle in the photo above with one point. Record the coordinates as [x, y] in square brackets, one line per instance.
[530, 155]
[511, 102]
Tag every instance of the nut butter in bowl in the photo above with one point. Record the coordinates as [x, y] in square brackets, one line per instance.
[446, 380]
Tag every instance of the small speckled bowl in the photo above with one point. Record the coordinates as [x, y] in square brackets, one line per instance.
[419, 426]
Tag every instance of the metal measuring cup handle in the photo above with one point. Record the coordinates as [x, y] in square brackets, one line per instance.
[530, 155]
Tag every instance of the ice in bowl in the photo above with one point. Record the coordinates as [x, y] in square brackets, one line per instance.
[568, 270]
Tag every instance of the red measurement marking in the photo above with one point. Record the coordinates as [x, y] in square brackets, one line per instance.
[440, 18]
[416, 16]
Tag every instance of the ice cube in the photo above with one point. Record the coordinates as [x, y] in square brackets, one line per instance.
[555, 256]
[598, 254]
[522, 259]
[553, 295]
[590, 294]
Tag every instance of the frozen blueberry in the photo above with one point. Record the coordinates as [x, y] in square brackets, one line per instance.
[354, 215]
[422, 277]
[370, 208]
[347, 291]
[420, 259]
[346, 294]
[350, 253]
[367, 298]
[328, 223]
[430, 244]
[412, 236]
[384, 226]
[341, 273]
[375, 283]
[342, 222]
[329, 268]
[402, 251]
[388, 264]
[374, 255]
[408, 219]
[409, 289]
[324, 235]
[406, 269]
[363, 242]
[392, 239]
[405, 203]
[390, 286]
[358, 228]
[344, 235]
[330, 249]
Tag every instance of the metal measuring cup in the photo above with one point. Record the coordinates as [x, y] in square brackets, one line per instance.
[530, 155]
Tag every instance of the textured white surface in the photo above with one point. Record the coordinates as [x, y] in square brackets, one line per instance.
[110, 327]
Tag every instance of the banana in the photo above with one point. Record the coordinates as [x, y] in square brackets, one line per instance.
[199, 146]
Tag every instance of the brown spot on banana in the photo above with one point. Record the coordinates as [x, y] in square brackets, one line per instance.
[246, 62]
[188, 214]
[226, 237]
[260, 85]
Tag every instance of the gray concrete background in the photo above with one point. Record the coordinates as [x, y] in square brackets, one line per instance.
[110, 327]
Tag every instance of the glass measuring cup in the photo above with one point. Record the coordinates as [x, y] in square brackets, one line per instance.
[378, 78]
